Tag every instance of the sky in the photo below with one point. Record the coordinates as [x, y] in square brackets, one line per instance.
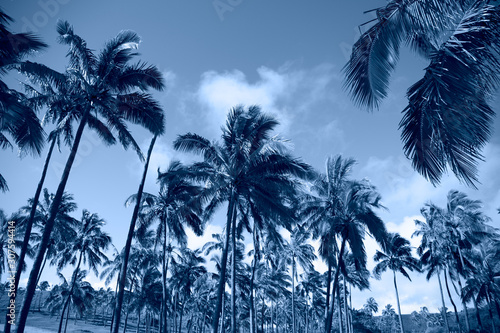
[287, 57]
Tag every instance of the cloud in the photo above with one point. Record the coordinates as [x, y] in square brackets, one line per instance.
[283, 92]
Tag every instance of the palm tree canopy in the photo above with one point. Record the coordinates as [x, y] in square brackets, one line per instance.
[396, 256]
[448, 118]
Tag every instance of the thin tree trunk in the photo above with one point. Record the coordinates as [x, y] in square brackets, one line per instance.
[478, 316]
[164, 279]
[293, 293]
[339, 310]
[488, 299]
[464, 305]
[252, 278]
[399, 306]
[73, 281]
[180, 318]
[329, 318]
[222, 279]
[30, 288]
[27, 233]
[138, 320]
[66, 303]
[67, 318]
[451, 300]
[128, 244]
[233, 276]
[328, 286]
[444, 314]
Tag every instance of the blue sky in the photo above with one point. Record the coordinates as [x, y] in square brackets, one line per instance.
[285, 56]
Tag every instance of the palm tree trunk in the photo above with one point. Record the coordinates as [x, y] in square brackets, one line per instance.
[346, 310]
[329, 318]
[59, 330]
[464, 305]
[478, 316]
[164, 280]
[252, 278]
[233, 275]
[180, 318]
[138, 320]
[399, 306]
[27, 233]
[222, 280]
[328, 286]
[451, 300]
[128, 244]
[30, 288]
[339, 310]
[444, 314]
[488, 299]
[73, 281]
[67, 318]
[293, 293]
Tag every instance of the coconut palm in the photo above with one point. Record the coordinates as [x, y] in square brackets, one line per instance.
[432, 249]
[298, 251]
[108, 86]
[87, 248]
[16, 117]
[342, 208]
[397, 256]
[371, 306]
[246, 165]
[174, 206]
[448, 118]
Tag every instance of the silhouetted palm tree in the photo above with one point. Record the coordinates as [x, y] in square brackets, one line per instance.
[448, 118]
[298, 251]
[397, 256]
[105, 85]
[248, 164]
[16, 117]
[342, 208]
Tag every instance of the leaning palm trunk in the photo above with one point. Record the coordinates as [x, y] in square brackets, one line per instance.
[73, 281]
[490, 312]
[339, 311]
[451, 300]
[30, 288]
[399, 306]
[445, 316]
[222, 280]
[128, 244]
[29, 227]
[329, 318]
[293, 294]
[464, 305]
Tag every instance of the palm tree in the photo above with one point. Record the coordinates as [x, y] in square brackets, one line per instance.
[448, 118]
[86, 248]
[128, 243]
[173, 207]
[105, 84]
[432, 249]
[388, 315]
[343, 208]
[298, 251]
[16, 117]
[371, 306]
[396, 256]
[246, 165]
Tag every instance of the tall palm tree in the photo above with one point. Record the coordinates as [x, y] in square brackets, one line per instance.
[298, 251]
[16, 117]
[432, 249]
[86, 248]
[342, 208]
[397, 256]
[448, 118]
[128, 242]
[175, 205]
[245, 165]
[106, 85]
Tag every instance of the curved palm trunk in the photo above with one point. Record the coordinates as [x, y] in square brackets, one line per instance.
[30, 288]
[346, 310]
[488, 299]
[445, 316]
[252, 278]
[329, 318]
[399, 306]
[27, 233]
[464, 305]
[222, 279]
[128, 244]
[451, 300]
[339, 310]
[478, 316]
[328, 286]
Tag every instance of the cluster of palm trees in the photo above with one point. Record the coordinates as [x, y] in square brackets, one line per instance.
[269, 194]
